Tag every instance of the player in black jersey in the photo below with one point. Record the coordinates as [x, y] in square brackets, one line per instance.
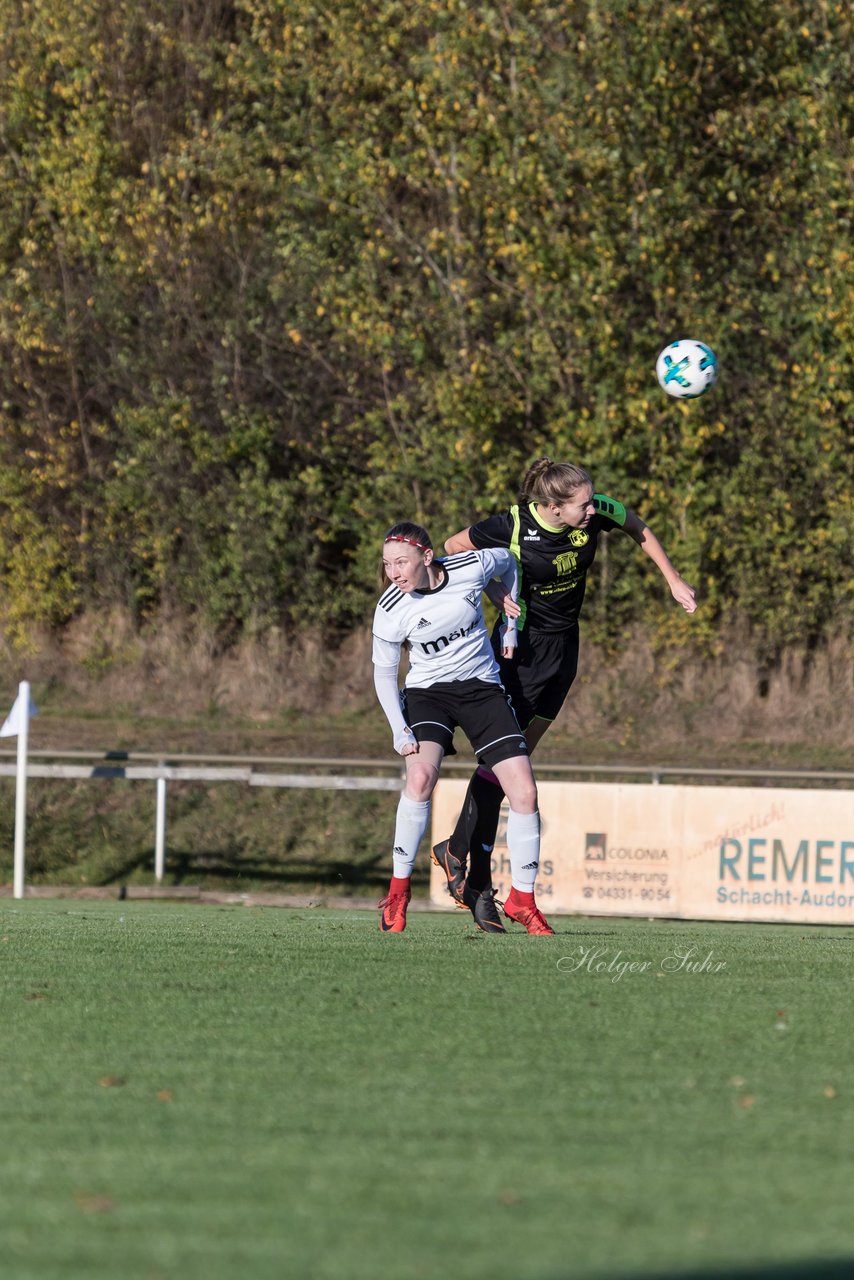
[553, 531]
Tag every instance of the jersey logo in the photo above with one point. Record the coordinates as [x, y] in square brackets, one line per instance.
[423, 623]
[531, 537]
[473, 598]
[579, 537]
[442, 642]
[565, 562]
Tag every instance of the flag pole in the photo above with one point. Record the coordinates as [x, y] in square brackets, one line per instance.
[21, 787]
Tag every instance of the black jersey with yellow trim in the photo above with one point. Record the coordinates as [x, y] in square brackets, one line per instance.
[553, 563]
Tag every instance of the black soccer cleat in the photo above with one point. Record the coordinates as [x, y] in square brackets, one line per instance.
[481, 903]
[454, 868]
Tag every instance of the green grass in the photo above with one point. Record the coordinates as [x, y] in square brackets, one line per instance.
[216, 1092]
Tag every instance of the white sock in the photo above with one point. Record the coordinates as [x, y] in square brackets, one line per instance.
[412, 818]
[523, 845]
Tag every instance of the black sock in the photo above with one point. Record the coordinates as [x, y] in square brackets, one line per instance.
[476, 828]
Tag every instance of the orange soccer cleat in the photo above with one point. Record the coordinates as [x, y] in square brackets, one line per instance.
[393, 908]
[526, 913]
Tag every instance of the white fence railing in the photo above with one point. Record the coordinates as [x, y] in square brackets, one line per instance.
[242, 768]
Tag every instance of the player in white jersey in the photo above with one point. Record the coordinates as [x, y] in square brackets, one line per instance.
[434, 609]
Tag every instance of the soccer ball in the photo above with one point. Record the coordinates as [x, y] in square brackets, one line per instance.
[686, 369]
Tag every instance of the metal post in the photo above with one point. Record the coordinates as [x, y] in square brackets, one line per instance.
[21, 788]
[160, 831]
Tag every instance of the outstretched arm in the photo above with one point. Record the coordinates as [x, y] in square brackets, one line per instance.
[502, 594]
[645, 538]
[459, 542]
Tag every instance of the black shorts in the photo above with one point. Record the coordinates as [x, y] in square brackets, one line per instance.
[481, 709]
[539, 677]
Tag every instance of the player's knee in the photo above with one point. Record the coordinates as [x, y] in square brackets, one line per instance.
[524, 798]
[531, 798]
[420, 781]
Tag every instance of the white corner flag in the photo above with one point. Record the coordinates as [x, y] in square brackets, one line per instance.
[16, 725]
[23, 708]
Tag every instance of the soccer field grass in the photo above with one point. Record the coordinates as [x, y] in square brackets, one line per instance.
[194, 1091]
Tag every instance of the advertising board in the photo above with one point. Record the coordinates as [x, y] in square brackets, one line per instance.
[697, 853]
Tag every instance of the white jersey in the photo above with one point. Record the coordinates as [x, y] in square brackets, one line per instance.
[445, 626]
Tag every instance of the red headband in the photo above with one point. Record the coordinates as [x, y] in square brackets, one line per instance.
[398, 537]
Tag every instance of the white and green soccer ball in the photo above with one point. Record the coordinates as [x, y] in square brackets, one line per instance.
[686, 369]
